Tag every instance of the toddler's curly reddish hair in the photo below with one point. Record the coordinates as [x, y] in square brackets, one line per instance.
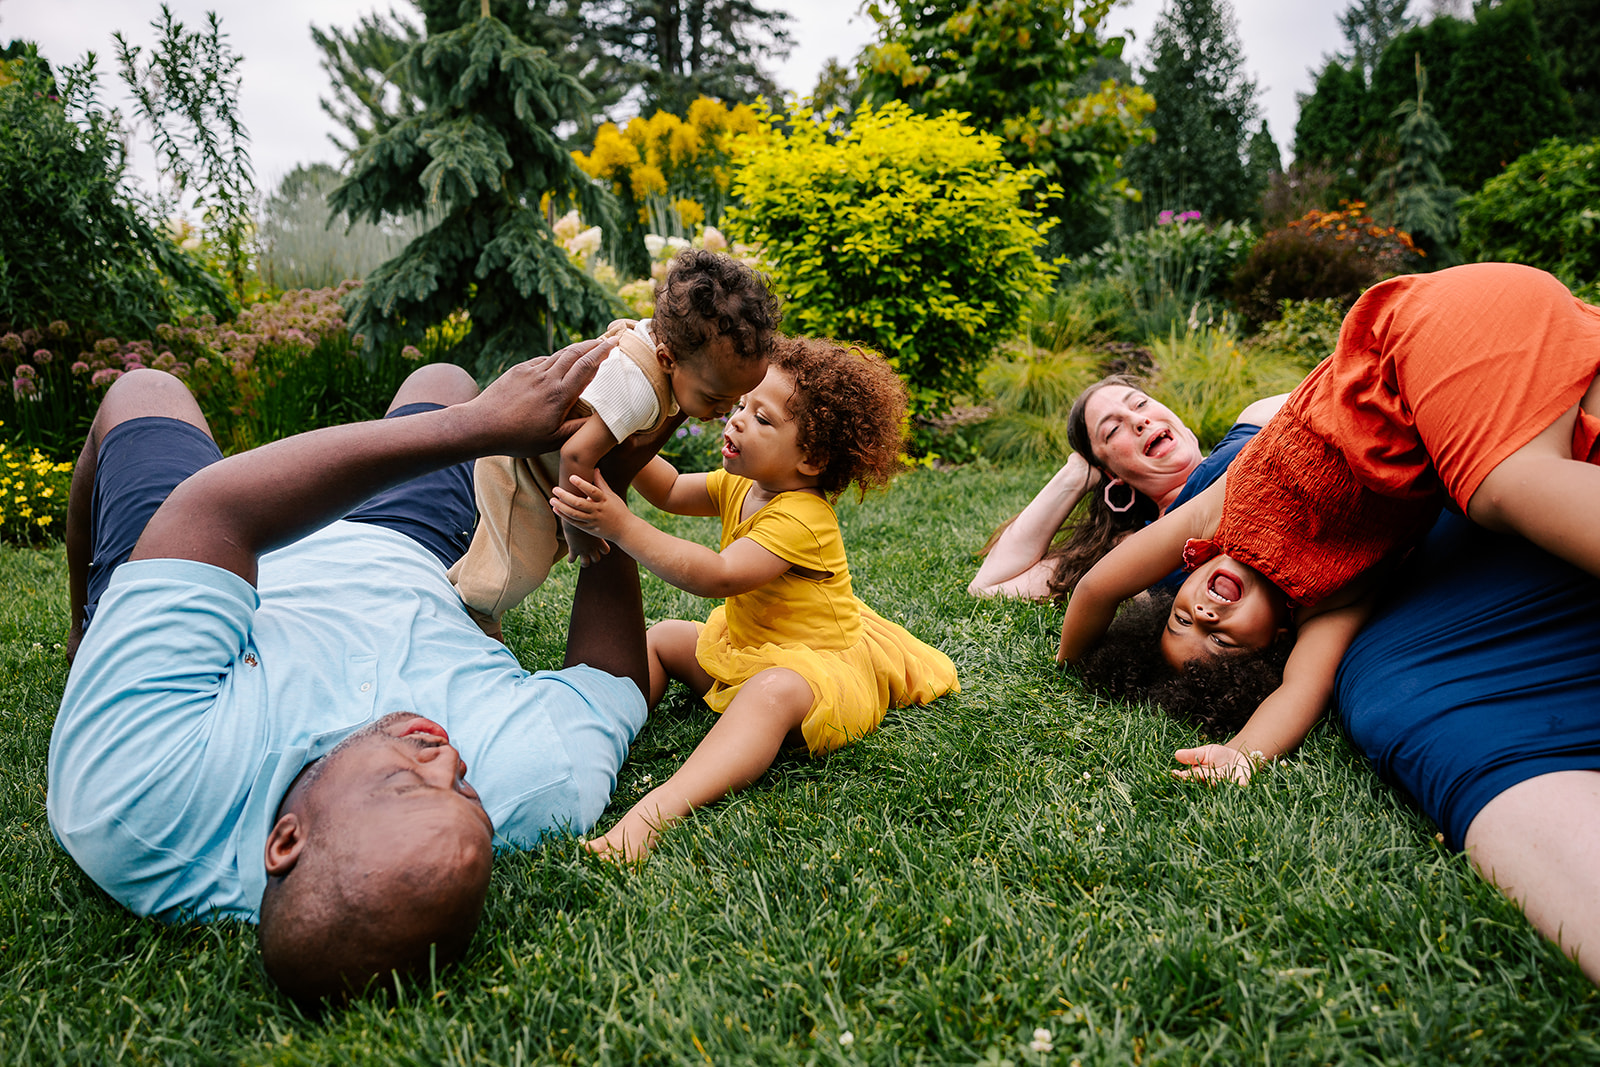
[849, 407]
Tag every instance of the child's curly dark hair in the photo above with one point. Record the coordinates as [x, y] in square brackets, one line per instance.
[1217, 695]
[850, 406]
[710, 294]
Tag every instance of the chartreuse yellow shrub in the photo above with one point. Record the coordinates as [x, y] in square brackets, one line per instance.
[907, 232]
[33, 496]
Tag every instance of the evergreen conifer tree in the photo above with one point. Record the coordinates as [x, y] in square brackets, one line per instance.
[1412, 193]
[1369, 26]
[1331, 131]
[1205, 104]
[478, 160]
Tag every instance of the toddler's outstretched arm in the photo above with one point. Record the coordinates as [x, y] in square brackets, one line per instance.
[739, 568]
[1129, 569]
[1287, 715]
[581, 453]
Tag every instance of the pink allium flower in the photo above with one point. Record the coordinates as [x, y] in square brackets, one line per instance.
[11, 343]
[411, 352]
[80, 367]
[58, 328]
[105, 376]
[23, 387]
[25, 370]
[42, 356]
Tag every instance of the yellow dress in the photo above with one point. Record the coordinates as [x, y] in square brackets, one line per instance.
[857, 663]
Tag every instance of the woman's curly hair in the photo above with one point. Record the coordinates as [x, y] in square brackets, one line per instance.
[1217, 694]
[708, 295]
[850, 409]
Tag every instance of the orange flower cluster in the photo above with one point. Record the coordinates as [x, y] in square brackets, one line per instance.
[1352, 223]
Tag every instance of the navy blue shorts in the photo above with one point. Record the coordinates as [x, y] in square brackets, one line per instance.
[141, 461]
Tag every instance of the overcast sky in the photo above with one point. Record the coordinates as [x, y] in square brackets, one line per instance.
[1283, 42]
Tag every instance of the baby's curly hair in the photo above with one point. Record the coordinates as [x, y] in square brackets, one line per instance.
[850, 406]
[1217, 695]
[710, 294]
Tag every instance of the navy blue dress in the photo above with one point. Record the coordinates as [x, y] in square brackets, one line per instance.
[1481, 670]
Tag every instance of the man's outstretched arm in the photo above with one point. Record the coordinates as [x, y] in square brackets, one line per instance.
[230, 512]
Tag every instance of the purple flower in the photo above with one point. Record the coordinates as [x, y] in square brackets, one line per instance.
[80, 367]
[681, 431]
[23, 387]
[1189, 216]
[26, 371]
[105, 376]
[696, 430]
[410, 352]
[42, 356]
[1164, 219]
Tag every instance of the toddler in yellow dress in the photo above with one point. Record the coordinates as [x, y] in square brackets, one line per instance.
[792, 654]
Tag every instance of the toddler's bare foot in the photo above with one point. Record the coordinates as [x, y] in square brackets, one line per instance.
[617, 848]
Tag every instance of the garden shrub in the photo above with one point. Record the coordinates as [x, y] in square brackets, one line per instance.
[1030, 396]
[1171, 267]
[1080, 310]
[1323, 255]
[1305, 331]
[1542, 210]
[906, 232]
[33, 496]
[74, 244]
[1206, 377]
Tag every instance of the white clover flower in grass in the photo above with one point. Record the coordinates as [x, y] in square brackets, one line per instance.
[847, 1039]
[1042, 1041]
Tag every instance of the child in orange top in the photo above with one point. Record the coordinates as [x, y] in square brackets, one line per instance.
[793, 654]
[1477, 382]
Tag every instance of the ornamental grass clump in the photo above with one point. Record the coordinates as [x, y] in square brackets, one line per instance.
[33, 496]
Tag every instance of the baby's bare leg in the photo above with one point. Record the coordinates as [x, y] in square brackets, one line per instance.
[670, 646]
[1542, 493]
[737, 751]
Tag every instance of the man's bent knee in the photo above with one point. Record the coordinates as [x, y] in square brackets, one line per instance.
[435, 383]
[146, 393]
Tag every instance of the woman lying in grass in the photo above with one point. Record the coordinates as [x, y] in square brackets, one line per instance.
[1132, 461]
[1477, 382]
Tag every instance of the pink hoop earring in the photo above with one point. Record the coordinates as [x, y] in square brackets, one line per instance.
[1133, 496]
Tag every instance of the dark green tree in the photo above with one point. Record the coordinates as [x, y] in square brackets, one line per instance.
[1412, 194]
[1036, 72]
[1263, 160]
[187, 90]
[1205, 104]
[369, 93]
[675, 51]
[365, 101]
[75, 244]
[1331, 133]
[478, 160]
[1569, 30]
[1369, 26]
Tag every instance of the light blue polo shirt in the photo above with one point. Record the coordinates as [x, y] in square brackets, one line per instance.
[194, 702]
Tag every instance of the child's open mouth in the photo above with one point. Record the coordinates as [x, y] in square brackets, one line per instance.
[729, 449]
[1225, 586]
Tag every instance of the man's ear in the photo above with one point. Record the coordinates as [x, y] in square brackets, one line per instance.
[284, 845]
[664, 357]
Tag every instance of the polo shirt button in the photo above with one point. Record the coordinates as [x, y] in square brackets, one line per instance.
[365, 686]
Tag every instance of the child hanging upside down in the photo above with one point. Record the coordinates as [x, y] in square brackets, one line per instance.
[793, 654]
[1475, 385]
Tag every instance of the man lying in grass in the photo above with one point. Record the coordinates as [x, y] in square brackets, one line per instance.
[271, 714]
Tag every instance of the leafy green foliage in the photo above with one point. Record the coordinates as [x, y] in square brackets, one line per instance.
[678, 50]
[1305, 331]
[188, 92]
[1570, 35]
[1324, 255]
[1205, 104]
[1368, 27]
[74, 243]
[1412, 194]
[1171, 268]
[365, 101]
[1206, 376]
[1331, 133]
[906, 233]
[1016, 67]
[33, 495]
[478, 160]
[1543, 211]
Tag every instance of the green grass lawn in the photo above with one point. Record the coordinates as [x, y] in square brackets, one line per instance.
[1011, 858]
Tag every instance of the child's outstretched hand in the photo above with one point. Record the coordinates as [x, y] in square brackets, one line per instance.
[583, 547]
[594, 509]
[1215, 763]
